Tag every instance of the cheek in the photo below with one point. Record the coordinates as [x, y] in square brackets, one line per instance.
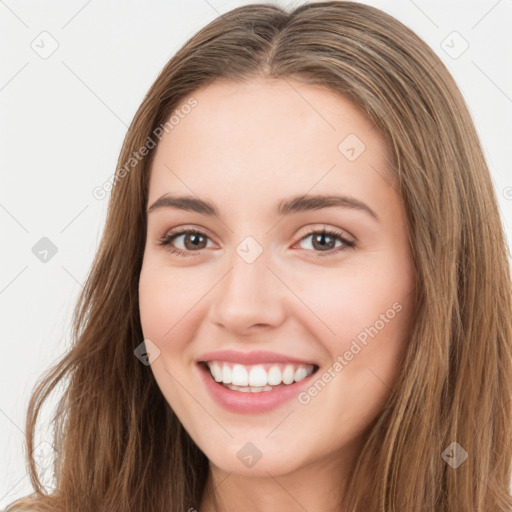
[172, 308]
[371, 324]
[168, 299]
[166, 317]
[156, 305]
[345, 302]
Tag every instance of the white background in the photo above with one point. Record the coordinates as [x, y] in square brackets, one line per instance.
[62, 123]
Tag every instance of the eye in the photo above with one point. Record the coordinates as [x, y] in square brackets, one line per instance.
[193, 240]
[325, 241]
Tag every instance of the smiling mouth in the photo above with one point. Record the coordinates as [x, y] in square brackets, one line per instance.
[257, 378]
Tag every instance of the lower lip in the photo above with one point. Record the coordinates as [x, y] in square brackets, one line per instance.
[238, 401]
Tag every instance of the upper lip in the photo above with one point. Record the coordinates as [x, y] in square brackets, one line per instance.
[248, 358]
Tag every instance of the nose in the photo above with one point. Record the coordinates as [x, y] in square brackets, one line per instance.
[249, 297]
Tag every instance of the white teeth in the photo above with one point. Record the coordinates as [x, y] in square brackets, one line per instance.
[249, 389]
[256, 378]
[216, 371]
[288, 374]
[300, 373]
[274, 376]
[239, 376]
[226, 374]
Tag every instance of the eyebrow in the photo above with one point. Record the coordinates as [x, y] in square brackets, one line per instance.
[285, 207]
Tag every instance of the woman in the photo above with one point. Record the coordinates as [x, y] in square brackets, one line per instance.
[302, 296]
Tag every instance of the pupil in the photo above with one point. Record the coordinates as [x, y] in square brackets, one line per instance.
[322, 243]
[194, 239]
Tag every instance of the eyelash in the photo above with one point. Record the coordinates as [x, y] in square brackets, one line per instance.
[166, 240]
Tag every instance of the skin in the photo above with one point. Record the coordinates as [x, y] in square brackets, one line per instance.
[245, 147]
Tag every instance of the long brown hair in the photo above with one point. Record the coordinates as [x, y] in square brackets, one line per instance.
[118, 444]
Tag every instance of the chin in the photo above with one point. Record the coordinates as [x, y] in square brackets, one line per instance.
[254, 459]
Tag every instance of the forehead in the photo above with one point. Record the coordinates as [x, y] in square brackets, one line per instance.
[266, 138]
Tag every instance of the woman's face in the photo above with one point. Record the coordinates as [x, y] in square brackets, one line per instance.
[258, 283]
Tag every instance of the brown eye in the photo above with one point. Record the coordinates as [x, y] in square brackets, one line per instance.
[325, 242]
[193, 241]
[190, 241]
